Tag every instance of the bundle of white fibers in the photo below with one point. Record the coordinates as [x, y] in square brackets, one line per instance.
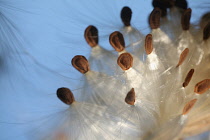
[123, 70]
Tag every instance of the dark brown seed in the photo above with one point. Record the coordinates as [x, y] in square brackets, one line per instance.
[205, 19]
[202, 86]
[163, 12]
[154, 18]
[189, 106]
[182, 57]
[163, 4]
[148, 44]
[125, 61]
[80, 63]
[181, 4]
[126, 15]
[185, 20]
[91, 35]
[188, 78]
[116, 39]
[130, 97]
[206, 32]
[65, 95]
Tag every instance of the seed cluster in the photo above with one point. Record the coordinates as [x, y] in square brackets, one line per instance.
[157, 83]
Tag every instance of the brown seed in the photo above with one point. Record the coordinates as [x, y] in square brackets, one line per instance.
[202, 86]
[181, 4]
[189, 106]
[148, 44]
[154, 18]
[188, 78]
[205, 19]
[130, 97]
[91, 35]
[116, 39]
[126, 15]
[80, 63]
[65, 95]
[163, 12]
[185, 20]
[206, 32]
[163, 4]
[182, 57]
[125, 61]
